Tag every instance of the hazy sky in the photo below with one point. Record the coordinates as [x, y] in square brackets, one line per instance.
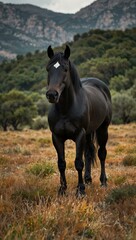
[65, 6]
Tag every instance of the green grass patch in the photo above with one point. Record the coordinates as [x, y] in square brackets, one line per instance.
[88, 233]
[3, 161]
[120, 180]
[15, 150]
[121, 193]
[26, 152]
[41, 169]
[44, 142]
[129, 160]
[31, 194]
[132, 150]
[119, 149]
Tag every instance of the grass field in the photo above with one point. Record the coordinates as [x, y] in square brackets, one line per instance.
[30, 208]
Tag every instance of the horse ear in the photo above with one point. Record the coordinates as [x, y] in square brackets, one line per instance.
[50, 52]
[67, 52]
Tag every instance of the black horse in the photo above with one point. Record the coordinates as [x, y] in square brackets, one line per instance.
[81, 111]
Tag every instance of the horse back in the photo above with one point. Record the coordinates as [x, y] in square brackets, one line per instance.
[99, 99]
[100, 85]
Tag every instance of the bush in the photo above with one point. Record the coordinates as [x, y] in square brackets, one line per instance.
[121, 193]
[40, 123]
[41, 169]
[16, 109]
[124, 108]
[42, 106]
[119, 83]
[29, 194]
[120, 180]
[129, 160]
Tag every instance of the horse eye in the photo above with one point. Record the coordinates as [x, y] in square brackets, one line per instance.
[65, 68]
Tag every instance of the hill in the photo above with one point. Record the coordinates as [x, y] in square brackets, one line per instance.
[107, 55]
[26, 27]
[98, 53]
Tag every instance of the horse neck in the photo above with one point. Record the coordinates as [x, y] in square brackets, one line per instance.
[66, 100]
[70, 92]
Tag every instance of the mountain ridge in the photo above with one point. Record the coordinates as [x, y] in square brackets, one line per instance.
[25, 27]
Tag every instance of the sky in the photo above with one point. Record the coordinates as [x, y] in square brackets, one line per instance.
[64, 6]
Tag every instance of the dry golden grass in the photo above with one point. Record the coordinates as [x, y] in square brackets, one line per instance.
[30, 207]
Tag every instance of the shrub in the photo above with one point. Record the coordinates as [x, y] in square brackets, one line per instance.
[3, 160]
[41, 169]
[44, 142]
[30, 194]
[39, 123]
[129, 160]
[119, 83]
[42, 106]
[124, 108]
[120, 180]
[16, 109]
[121, 193]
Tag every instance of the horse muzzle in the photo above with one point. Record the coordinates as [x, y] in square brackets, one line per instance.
[52, 96]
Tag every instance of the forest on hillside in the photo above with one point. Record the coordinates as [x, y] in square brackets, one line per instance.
[107, 55]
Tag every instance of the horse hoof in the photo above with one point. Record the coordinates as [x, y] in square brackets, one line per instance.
[80, 193]
[62, 191]
[103, 185]
[88, 180]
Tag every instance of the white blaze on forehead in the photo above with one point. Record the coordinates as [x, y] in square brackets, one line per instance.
[56, 65]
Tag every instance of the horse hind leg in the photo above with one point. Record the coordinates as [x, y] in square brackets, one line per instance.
[102, 137]
[90, 156]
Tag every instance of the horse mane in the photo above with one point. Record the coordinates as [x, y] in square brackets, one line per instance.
[75, 77]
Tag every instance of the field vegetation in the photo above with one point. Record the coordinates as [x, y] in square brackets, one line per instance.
[29, 204]
[30, 208]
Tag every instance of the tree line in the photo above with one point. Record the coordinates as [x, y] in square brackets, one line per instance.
[108, 55]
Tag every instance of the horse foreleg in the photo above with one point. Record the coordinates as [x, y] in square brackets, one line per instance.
[80, 143]
[59, 146]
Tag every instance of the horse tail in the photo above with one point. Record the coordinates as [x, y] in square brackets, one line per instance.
[94, 147]
[91, 148]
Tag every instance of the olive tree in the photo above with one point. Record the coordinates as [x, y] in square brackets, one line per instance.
[16, 109]
[124, 108]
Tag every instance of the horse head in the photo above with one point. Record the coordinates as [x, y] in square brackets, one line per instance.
[58, 72]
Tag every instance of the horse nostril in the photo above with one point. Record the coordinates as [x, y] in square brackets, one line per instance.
[56, 94]
[52, 95]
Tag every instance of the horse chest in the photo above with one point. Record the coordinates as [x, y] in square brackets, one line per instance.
[65, 127]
